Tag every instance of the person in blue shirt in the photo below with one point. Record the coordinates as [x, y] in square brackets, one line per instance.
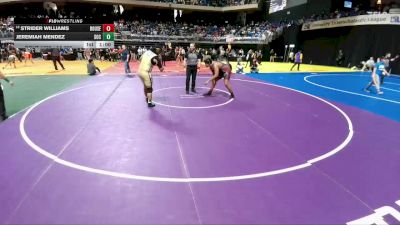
[378, 71]
[125, 57]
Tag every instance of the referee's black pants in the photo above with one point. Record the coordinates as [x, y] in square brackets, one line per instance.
[191, 72]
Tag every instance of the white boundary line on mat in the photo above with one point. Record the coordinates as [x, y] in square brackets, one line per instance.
[306, 79]
[73, 165]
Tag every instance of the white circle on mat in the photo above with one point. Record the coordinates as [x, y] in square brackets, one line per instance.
[305, 164]
[192, 107]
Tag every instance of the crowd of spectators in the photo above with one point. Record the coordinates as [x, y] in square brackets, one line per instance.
[214, 3]
[355, 11]
[264, 31]
[6, 27]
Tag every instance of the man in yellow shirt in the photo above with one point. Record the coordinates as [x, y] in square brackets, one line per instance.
[147, 61]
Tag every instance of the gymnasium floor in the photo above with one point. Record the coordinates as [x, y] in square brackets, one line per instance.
[291, 148]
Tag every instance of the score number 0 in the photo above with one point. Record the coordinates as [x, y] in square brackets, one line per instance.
[108, 27]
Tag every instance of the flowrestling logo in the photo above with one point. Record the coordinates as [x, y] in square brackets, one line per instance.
[57, 21]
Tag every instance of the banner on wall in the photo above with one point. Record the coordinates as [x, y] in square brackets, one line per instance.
[375, 19]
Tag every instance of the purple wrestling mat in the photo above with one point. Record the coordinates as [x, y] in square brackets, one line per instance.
[95, 154]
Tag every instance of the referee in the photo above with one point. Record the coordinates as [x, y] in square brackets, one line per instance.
[192, 64]
[3, 115]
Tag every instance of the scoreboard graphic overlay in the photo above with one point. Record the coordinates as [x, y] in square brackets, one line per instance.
[63, 33]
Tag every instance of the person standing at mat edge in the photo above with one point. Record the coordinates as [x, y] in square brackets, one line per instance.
[298, 59]
[3, 114]
[340, 58]
[125, 57]
[192, 63]
[377, 73]
[387, 60]
[147, 61]
[55, 56]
